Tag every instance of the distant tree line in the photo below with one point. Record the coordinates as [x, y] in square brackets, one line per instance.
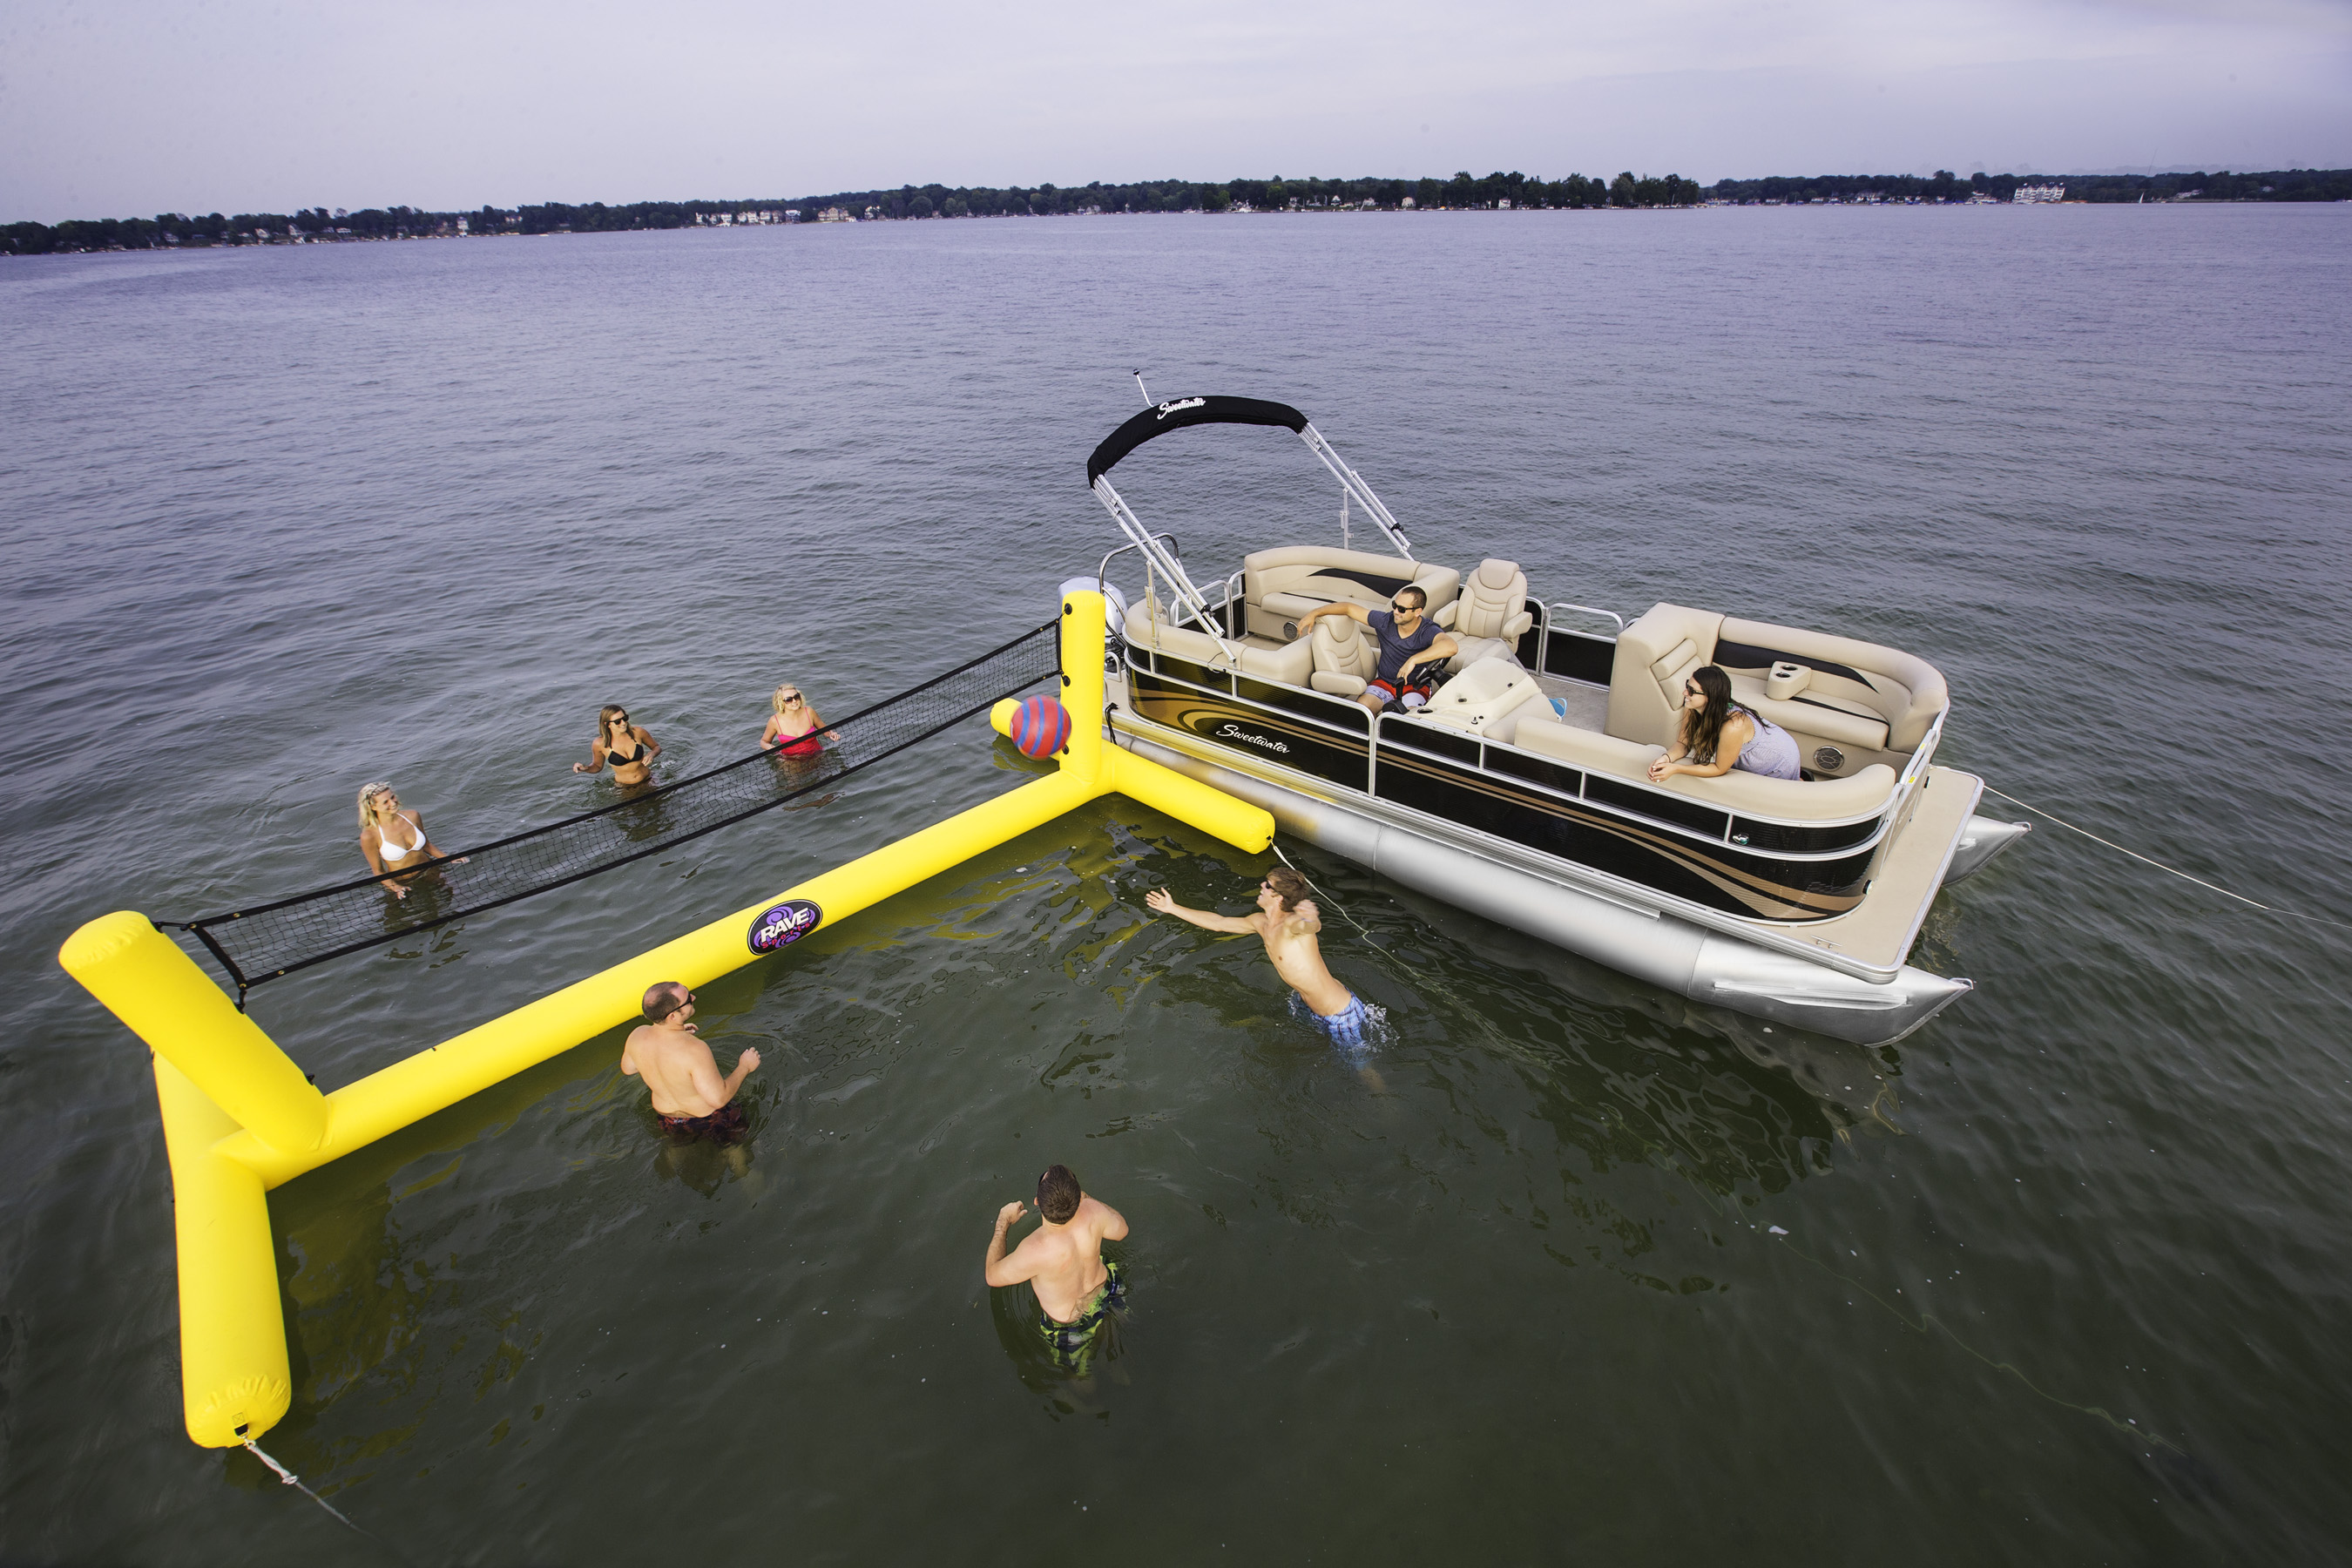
[2278, 185]
[1463, 193]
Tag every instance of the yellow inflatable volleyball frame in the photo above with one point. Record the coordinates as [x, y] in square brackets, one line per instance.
[239, 1117]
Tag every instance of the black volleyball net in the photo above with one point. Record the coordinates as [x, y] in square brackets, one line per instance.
[267, 941]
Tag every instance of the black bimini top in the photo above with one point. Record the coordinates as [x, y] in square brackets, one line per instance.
[1160, 418]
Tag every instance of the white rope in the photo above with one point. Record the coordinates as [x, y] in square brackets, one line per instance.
[2266, 909]
[289, 1479]
[1310, 882]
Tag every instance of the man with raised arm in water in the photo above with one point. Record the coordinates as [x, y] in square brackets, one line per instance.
[690, 1098]
[1063, 1262]
[1287, 920]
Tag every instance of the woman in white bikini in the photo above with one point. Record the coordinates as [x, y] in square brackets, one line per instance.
[393, 840]
[628, 747]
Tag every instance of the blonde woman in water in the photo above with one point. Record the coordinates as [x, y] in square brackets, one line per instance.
[393, 839]
[793, 727]
[629, 749]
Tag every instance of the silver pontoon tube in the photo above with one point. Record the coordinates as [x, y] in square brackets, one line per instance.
[1981, 840]
[1648, 944]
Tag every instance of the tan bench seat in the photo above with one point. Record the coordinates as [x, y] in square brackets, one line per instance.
[1870, 705]
[1817, 719]
[1751, 794]
[1290, 664]
[1280, 586]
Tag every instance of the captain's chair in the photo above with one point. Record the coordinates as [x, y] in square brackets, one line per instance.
[1347, 655]
[1490, 616]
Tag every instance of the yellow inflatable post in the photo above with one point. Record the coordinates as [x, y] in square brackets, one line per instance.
[240, 1118]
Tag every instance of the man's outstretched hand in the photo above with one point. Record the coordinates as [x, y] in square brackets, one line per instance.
[1160, 899]
[1009, 1213]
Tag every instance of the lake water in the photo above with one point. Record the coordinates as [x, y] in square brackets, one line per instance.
[2064, 1277]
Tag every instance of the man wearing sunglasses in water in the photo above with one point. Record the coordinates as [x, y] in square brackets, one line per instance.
[1411, 648]
[690, 1098]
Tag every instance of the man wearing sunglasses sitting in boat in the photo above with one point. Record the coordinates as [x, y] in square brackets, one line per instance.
[1410, 644]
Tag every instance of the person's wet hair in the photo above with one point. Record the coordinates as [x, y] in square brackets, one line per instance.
[1059, 1194]
[1289, 886]
[663, 999]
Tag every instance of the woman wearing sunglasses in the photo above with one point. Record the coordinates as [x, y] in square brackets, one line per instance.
[393, 838]
[1717, 735]
[629, 749]
[792, 728]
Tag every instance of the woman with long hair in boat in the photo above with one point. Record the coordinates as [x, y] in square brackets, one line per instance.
[393, 839]
[1717, 735]
[628, 747]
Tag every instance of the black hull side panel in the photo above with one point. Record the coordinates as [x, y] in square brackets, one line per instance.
[1262, 732]
[1747, 882]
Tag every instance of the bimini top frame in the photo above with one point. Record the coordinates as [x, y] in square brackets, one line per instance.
[1176, 414]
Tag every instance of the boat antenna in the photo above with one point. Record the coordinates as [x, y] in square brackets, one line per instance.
[1138, 374]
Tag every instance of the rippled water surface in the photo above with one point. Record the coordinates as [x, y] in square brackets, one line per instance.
[1594, 1273]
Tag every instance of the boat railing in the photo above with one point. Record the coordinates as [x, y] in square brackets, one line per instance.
[1670, 808]
[1102, 572]
[1583, 609]
[1915, 772]
[1617, 793]
[1551, 612]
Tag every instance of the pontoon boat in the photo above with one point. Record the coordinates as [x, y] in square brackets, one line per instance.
[1520, 791]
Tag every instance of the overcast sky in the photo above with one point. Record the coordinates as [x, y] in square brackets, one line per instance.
[138, 108]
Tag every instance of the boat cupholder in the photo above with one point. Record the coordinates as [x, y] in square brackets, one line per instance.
[1786, 679]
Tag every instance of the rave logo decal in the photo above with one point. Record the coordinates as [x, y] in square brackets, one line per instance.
[786, 924]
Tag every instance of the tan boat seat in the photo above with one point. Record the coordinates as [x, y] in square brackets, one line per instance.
[1861, 704]
[1280, 586]
[1347, 655]
[1491, 614]
[1749, 794]
[1585, 747]
[1291, 665]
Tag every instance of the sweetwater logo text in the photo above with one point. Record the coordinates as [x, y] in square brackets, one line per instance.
[1235, 733]
[786, 924]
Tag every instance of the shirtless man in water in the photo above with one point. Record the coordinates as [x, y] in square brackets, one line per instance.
[690, 1098]
[1287, 921]
[1063, 1262]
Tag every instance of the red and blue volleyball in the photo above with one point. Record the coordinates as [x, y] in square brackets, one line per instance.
[1041, 727]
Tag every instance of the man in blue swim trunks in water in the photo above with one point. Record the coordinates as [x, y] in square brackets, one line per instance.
[1063, 1262]
[1287, 921]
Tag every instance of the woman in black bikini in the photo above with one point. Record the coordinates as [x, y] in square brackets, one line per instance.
[628, 747]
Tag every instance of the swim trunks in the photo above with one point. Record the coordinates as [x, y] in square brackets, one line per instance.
[1346, 1027]
[724, 1125]
[1072, 1344]
[1397, 691]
